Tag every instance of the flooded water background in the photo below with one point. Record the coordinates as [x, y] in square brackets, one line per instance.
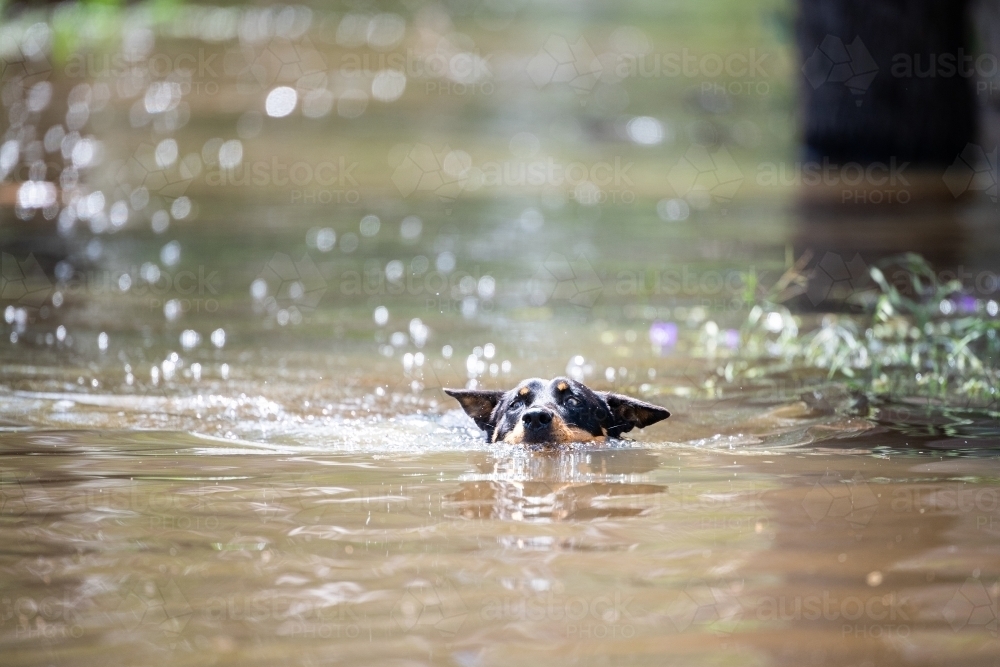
[234, 296]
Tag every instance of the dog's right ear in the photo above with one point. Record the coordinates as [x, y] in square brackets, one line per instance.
[478, 404]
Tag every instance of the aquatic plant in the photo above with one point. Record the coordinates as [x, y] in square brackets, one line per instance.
[915, 335]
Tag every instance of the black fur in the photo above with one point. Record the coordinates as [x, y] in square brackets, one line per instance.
[544, 406]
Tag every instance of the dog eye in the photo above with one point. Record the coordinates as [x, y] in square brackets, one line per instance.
[573, 401]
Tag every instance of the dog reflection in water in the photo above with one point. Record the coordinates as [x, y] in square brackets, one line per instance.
[554, 485]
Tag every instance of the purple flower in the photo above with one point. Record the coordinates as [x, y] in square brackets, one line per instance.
[967, 304]
[731, 338]
[663, 334]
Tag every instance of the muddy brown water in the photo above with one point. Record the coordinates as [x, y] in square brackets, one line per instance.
[239, 525]
[297, 489]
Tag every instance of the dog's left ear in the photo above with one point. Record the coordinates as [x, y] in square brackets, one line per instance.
[478, 404]
[628, 413]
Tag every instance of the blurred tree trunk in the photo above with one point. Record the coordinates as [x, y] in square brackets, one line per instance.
[886, 79]
[987, 18]
[892, 81]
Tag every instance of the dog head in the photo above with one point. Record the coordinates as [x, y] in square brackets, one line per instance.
[555, 411]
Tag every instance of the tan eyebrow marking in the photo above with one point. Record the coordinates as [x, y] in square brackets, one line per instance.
[524, 391]
[562, 386]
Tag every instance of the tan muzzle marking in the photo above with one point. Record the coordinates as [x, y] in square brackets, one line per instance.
[560, 432]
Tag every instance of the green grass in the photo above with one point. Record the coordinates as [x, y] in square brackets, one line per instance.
[917, 336]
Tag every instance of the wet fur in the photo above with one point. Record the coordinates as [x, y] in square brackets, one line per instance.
[573, 411]
[562, 433]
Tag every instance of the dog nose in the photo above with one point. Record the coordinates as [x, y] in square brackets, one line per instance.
[537, 418]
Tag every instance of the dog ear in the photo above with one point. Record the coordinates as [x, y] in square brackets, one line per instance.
[628, 413]
[478, 404]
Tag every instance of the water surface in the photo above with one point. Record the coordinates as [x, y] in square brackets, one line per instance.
[223, 436]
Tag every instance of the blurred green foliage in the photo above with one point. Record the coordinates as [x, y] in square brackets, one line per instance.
[917, 335]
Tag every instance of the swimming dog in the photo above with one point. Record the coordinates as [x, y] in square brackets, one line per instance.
[556, 411]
